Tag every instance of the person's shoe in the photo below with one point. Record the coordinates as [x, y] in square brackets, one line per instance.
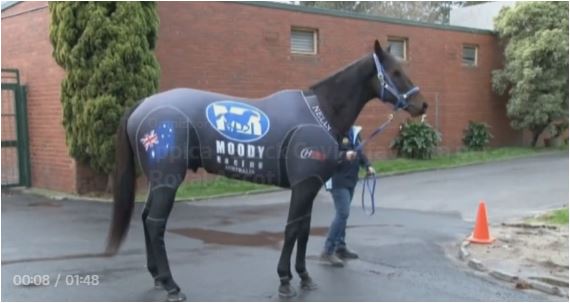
[345, 253]
[332, 259]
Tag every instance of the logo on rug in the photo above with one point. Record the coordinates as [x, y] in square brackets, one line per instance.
[307, 153]
[159, 141]
[237, 121]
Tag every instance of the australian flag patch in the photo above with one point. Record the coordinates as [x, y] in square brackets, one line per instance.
[159, 141]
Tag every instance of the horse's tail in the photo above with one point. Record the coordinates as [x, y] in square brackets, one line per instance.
[124, 179]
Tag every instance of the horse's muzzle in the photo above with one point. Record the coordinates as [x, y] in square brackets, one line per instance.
[424, 108]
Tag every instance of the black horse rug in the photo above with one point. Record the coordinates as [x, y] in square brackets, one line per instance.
[278, 140]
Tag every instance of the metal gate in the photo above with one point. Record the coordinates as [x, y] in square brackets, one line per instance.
[15, 154]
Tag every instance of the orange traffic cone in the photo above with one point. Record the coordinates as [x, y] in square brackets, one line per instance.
[481, 232]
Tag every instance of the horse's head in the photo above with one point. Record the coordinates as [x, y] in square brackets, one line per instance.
[393, 85]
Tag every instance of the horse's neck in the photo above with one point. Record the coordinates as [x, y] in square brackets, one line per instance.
[343, 95]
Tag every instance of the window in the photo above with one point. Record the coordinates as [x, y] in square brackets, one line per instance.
[398, 47]
[304, 41]
[470, 55]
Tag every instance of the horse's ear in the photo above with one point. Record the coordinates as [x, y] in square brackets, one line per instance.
[378, 50]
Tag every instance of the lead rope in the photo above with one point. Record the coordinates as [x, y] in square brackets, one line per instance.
[377, 131]
[369, 182]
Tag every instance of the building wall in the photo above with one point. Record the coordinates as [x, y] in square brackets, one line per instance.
[26, 46]
[243, 50]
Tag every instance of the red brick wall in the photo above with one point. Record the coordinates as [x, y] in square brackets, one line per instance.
[26, 46]
[243, 50]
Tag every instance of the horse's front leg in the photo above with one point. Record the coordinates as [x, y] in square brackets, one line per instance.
[300, 266]
[302, 196]
[284, 266]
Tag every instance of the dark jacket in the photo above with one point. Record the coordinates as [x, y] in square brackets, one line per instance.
[346, 174]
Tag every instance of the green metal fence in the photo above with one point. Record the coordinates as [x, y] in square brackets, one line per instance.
[15, 150]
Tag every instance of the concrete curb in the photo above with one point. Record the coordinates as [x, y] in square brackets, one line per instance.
[53, 195]
[501, 275]
[474, 163]
[237, 194]
[546, 288]
[64, 196]
[517, 281]
[476, 265]
[463, 252]
[60, 196]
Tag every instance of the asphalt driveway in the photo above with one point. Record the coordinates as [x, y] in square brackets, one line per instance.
[227, 249]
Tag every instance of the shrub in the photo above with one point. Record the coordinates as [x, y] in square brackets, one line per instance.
[477, 135]
[107, 52]
[416, 140]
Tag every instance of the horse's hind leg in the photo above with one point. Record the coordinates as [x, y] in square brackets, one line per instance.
[150, 259]
[162, 145]
[297, 229]
[161, 202]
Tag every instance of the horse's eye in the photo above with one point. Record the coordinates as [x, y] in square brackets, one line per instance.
[397, 73]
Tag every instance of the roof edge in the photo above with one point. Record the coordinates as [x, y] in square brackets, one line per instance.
[360, 16]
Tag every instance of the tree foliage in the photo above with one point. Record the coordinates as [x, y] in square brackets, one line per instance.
[535, 75]
[425, 11]
[106, 50]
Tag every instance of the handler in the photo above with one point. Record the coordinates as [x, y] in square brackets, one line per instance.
[341, 186]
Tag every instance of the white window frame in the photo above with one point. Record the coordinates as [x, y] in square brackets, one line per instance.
[405, 48]
[476, 59]
[314, 31]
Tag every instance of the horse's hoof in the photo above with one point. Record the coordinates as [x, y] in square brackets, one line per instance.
[308, 284]
[287, 291]
[176, 297]
[158, 285]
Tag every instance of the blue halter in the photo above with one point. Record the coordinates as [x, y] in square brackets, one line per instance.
[386, 84]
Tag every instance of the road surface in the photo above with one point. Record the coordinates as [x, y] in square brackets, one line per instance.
[227, 249]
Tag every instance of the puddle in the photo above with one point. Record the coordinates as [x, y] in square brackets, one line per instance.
[260, 239]
[68, 257]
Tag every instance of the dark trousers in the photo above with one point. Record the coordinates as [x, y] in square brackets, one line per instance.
[336, 237]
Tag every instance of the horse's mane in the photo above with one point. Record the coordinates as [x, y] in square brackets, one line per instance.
[357, 64]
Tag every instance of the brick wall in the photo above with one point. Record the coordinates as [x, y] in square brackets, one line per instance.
[26, 46]
[243, 50]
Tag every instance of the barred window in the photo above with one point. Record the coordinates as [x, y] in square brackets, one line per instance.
[398, 47]
[304, 41]
[470, 55]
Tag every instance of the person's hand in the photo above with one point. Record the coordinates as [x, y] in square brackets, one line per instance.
[351, 155]
[371, 170]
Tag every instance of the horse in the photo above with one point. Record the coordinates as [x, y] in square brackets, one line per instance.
[291, 142]
[240, 122]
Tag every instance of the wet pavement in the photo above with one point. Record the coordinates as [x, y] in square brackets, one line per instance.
[229, 252]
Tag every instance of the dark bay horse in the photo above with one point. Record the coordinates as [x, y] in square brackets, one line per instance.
[289, 139]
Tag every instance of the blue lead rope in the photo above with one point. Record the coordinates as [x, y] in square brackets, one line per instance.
[369, 182]
[374, 133]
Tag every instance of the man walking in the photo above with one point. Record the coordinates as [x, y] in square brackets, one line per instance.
[341, 186]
